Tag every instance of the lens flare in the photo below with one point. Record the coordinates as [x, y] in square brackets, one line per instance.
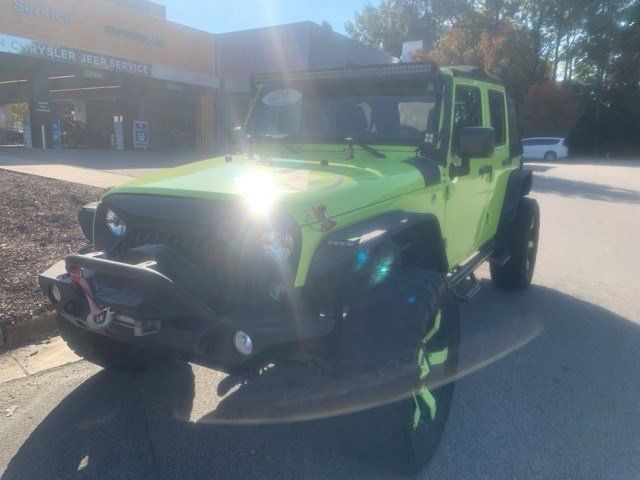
[259, 190]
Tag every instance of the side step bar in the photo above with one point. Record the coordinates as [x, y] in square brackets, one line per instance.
[464, 278]
[500, 257]
[472, 288]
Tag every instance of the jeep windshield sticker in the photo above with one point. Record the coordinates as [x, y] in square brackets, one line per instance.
[280, 98]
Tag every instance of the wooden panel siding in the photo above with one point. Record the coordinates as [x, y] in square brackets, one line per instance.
[185, 48]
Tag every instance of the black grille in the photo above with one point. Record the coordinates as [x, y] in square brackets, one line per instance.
[195, 248]
[231, 277]
[218, 238]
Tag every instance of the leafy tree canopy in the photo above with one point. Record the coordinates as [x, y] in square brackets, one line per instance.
[594, 45]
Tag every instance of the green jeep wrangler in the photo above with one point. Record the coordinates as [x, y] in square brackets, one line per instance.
[340, 232]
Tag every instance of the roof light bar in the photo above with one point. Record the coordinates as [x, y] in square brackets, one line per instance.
[343, 73]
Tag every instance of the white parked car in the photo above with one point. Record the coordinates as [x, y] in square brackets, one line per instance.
[547, 148]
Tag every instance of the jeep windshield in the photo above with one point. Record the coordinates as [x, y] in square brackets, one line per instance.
[375, 114]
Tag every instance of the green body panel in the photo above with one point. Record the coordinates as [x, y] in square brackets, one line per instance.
[293, 179]
[294, 183]
[474, 202]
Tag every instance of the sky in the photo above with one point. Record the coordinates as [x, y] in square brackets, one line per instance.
[218, 16]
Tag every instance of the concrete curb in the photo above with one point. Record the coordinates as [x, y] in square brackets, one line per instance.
[12, 336]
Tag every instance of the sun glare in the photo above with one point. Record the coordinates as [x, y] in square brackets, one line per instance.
[259, 190]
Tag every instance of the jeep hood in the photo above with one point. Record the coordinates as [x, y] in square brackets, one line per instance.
[293, 185]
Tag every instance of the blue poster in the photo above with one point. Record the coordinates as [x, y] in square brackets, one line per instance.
[118, 134]
[55, 134]
[140, 134]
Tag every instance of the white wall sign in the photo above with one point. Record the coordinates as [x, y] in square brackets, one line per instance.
[43, 106]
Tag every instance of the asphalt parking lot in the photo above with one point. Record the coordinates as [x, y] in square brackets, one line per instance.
[551, 384]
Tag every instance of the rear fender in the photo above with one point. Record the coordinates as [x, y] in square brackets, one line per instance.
[518, 186]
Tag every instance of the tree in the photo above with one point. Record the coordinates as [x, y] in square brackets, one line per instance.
[496, 12]
[549, 109]
[394, 22]
[502, 50]
[625, 72]
[593, 44]
[600, 47]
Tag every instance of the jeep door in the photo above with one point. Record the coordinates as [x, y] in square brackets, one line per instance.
[501, 163]
[467, 196]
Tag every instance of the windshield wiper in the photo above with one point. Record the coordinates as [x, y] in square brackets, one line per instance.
[364, 146]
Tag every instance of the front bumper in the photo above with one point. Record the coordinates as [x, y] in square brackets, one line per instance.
[153, 311]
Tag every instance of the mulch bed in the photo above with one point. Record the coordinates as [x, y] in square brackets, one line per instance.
[38, 227]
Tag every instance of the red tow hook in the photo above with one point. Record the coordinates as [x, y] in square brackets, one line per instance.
[320, 212]
[75, 273]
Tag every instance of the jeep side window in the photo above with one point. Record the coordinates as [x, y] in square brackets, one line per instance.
[498, 116]
[467, 112]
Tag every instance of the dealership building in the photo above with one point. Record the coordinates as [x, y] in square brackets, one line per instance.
[117, 74]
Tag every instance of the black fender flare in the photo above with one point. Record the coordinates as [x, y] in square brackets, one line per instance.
[518, 186]
[343, 245]
[85, 218]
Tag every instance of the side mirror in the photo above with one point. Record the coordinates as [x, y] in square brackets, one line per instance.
[476, 142]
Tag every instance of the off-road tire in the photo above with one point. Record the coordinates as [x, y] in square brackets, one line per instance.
[105, 351]
[383, 340]
[520, 239]
[550, 156]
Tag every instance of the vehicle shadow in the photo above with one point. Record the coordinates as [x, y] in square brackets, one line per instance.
[550, 388]
[591, 191]
[538, 168]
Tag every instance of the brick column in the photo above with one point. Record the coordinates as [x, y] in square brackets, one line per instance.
[40, 107]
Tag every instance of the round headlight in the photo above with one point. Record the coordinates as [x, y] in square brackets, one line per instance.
[116, 223]
[277, 245]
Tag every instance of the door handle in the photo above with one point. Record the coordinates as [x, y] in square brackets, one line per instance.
[507, 162]
[450, 190]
